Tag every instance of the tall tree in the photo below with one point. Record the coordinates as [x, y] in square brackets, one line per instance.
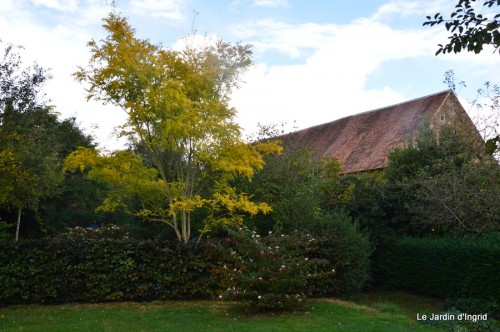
[29, 163]
[177, 107]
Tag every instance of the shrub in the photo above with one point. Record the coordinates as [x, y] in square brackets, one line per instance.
[272, 272]
[278, 272]
[450, 268]
[341, 242]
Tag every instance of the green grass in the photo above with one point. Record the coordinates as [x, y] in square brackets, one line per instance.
[402, 302]
[323, 315]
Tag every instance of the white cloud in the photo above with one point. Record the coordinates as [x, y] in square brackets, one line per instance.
[329, 83]
[171, 9]
[333, 63]
[292, 40]
[270, 3]
[62, 5]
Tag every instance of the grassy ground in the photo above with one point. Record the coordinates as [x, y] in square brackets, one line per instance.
[401, 302]
[323, 315]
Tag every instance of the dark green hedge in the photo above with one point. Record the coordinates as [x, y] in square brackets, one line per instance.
[74, 270]
[444, 267]
[85, 268]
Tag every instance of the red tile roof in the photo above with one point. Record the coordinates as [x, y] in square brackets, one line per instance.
[362, 142]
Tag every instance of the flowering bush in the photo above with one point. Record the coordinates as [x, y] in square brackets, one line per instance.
[272, 272]
[102, 232]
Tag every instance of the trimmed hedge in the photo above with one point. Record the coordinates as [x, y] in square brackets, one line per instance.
[73, 270]
[85, 268]
[444, 267]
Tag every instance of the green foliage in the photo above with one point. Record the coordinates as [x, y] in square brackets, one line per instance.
[33, 143]
[348, 249]
[290, 184]
[447, 183]
[295, 185]
[470, 31]
[106, 264]
[444, 267]
[4, 230]
[377, 206]
[273, 272]
[475, 305]
[278, 272]
[29, 142]
[104, 269]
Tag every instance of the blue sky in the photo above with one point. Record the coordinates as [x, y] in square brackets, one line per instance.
[315, 60]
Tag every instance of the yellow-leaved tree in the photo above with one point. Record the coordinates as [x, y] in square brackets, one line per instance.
[179, 117]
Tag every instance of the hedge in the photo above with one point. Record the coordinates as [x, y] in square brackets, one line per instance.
[73, 270]
[444, 267]
[85, 268]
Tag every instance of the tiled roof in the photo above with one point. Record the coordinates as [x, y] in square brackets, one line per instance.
[362, 142]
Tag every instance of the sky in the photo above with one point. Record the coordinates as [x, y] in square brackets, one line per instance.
[315, 60]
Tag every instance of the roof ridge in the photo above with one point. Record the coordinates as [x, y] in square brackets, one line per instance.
[374, 110]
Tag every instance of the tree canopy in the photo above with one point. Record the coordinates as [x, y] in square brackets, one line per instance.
[178, 113]
[29, 154]
[470, 29]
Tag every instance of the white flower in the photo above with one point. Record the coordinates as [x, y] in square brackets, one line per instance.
[220, 296]
[259, 297]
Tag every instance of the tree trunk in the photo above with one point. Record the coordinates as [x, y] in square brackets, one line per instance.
[18, 223]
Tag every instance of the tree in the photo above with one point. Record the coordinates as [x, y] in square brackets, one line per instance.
[297, 186]
[29, 162]
[290, 184]
[451, 186]
[471, 31]
[177, 107]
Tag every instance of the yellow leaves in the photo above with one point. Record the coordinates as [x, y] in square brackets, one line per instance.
[244, 159]
[178, 111]
[268, 147]
[80, 159]
[228, 200]
[185, 204]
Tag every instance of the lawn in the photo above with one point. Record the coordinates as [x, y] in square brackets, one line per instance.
[322, 315]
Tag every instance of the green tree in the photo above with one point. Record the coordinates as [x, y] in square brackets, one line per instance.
[177, 107]
[452, 187]
[298, 187]
[290, 184]
[470, 30]
[29, 162]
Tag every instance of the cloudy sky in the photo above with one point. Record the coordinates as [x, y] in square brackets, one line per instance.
[315, 60]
